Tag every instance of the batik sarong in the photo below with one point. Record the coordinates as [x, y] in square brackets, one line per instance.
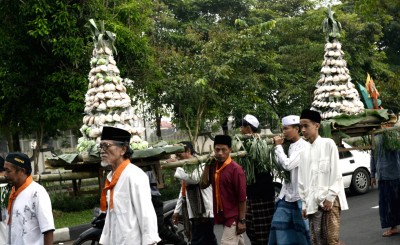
[325, 225]
[288, 225]
[389, 202]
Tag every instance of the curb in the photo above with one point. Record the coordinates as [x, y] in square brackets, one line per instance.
[69, 233]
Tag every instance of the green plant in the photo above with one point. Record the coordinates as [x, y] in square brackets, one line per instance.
[66, 203]
[172, 185]
[69, 219]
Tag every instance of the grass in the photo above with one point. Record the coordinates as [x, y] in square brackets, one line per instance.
[69, 219]
[69, 211]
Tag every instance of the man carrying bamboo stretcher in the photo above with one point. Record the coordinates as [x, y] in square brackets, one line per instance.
[320, 182]
[288, 225]
[229, 191]
[199, 202]
[260, 189]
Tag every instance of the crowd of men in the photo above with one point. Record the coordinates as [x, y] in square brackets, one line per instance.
[307, 210]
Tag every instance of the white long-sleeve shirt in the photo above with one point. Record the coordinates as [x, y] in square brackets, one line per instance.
[290, 163]
[320, 177]
[133, 220]
[207, 195]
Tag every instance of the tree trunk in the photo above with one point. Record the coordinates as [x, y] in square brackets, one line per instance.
[225, 126]
[9, 138]
[158, 125]
[15, 141]
[36, 152]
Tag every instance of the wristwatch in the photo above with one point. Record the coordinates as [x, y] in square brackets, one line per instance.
[242, 221]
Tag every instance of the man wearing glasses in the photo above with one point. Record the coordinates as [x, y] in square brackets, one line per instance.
[126, 197]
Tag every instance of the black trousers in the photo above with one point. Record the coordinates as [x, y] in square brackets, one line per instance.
[165, 234]
[203, 231]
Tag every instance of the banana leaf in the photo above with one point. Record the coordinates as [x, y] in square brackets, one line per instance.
[156, 152]
[368, 115]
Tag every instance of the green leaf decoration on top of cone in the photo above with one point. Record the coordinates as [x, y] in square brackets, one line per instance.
[330, 26]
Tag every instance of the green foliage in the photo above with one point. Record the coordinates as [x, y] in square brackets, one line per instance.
[391, 140]
[66, 203]
[102, 37]
[386, 141]
[260, 157]
[172, 186]
[46, 48]
[331, 27]
[385, 15]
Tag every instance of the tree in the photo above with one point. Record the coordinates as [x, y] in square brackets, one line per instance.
[40, 57]
[384, 14]
[46, 47]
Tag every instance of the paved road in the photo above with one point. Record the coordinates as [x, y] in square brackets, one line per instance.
[360, 224]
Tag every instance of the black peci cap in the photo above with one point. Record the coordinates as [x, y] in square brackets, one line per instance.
[20, 159]
[311, 115]
[116, 134]
[223, 140]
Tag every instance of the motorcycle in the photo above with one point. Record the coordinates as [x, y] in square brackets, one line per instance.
[92, 235]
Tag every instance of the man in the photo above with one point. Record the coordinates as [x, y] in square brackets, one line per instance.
[320, 182]
[126, 197]
[288, 225]
[198, 201]
[163, 231]
[385, 166]
[260, 193]
[229, 191]
[30, 217]
[3, 209]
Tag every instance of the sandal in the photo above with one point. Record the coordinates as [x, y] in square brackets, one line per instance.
[390, 232]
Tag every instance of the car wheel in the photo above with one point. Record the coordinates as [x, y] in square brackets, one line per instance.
[360, 181]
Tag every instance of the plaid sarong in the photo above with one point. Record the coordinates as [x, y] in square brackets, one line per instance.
[325, 225]
[288, 225]
[259, 214]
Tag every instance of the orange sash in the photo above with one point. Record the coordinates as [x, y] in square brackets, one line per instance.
[217, 189]
[14, 195]
[110, 186]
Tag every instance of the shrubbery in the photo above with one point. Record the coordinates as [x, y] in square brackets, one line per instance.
[66, 203]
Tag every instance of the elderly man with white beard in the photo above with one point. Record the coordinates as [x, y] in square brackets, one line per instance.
[126, 197]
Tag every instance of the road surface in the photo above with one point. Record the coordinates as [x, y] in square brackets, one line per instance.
[360, 224]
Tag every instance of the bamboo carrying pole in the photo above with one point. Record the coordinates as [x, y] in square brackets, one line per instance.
[195, 160]
[60, 177]
[200, 159]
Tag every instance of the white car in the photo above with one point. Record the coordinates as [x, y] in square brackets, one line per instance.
[355, 166]
[356, 170]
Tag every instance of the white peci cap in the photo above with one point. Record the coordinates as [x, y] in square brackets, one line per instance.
[252, 120]
[290, 120]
